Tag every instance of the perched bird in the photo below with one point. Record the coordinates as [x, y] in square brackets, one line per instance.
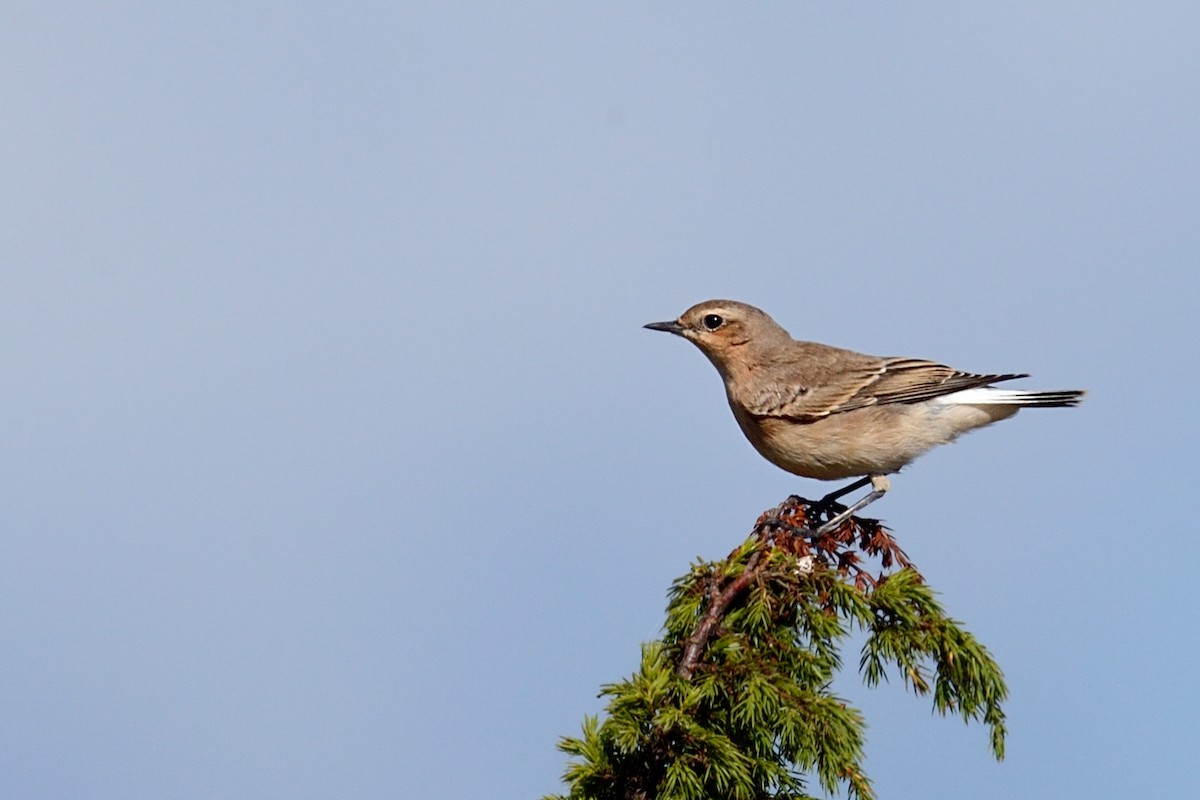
[827, 413]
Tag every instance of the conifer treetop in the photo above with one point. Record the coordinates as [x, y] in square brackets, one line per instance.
[735, 700]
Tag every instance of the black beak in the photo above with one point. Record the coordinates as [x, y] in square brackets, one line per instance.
[669, 327]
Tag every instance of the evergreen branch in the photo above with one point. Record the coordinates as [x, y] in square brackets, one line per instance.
[735, 700]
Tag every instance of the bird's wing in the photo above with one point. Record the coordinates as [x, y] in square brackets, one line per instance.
[820, 390]
[816, 384]
[911, 380]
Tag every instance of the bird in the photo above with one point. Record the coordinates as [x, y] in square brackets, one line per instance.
[828, 413]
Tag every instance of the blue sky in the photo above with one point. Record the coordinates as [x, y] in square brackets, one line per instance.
[336, 461]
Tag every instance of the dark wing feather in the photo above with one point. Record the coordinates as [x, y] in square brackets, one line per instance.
[823, 381]
[910, 380]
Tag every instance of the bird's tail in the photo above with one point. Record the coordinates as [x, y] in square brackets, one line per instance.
[989, 396]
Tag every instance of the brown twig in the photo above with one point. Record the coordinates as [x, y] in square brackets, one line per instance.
[716, 610]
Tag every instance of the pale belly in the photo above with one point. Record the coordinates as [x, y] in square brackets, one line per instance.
[869, 441]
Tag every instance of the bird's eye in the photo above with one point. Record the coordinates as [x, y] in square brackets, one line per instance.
[712, 322]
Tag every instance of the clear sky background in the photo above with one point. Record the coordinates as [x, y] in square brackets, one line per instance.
[336, 462]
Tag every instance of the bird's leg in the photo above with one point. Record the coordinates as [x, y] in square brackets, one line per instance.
[845, 490]
[879, 487]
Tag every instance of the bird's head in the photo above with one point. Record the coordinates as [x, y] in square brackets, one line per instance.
[724, 329]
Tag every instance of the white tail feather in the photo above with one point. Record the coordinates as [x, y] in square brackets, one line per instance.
[989, 396]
